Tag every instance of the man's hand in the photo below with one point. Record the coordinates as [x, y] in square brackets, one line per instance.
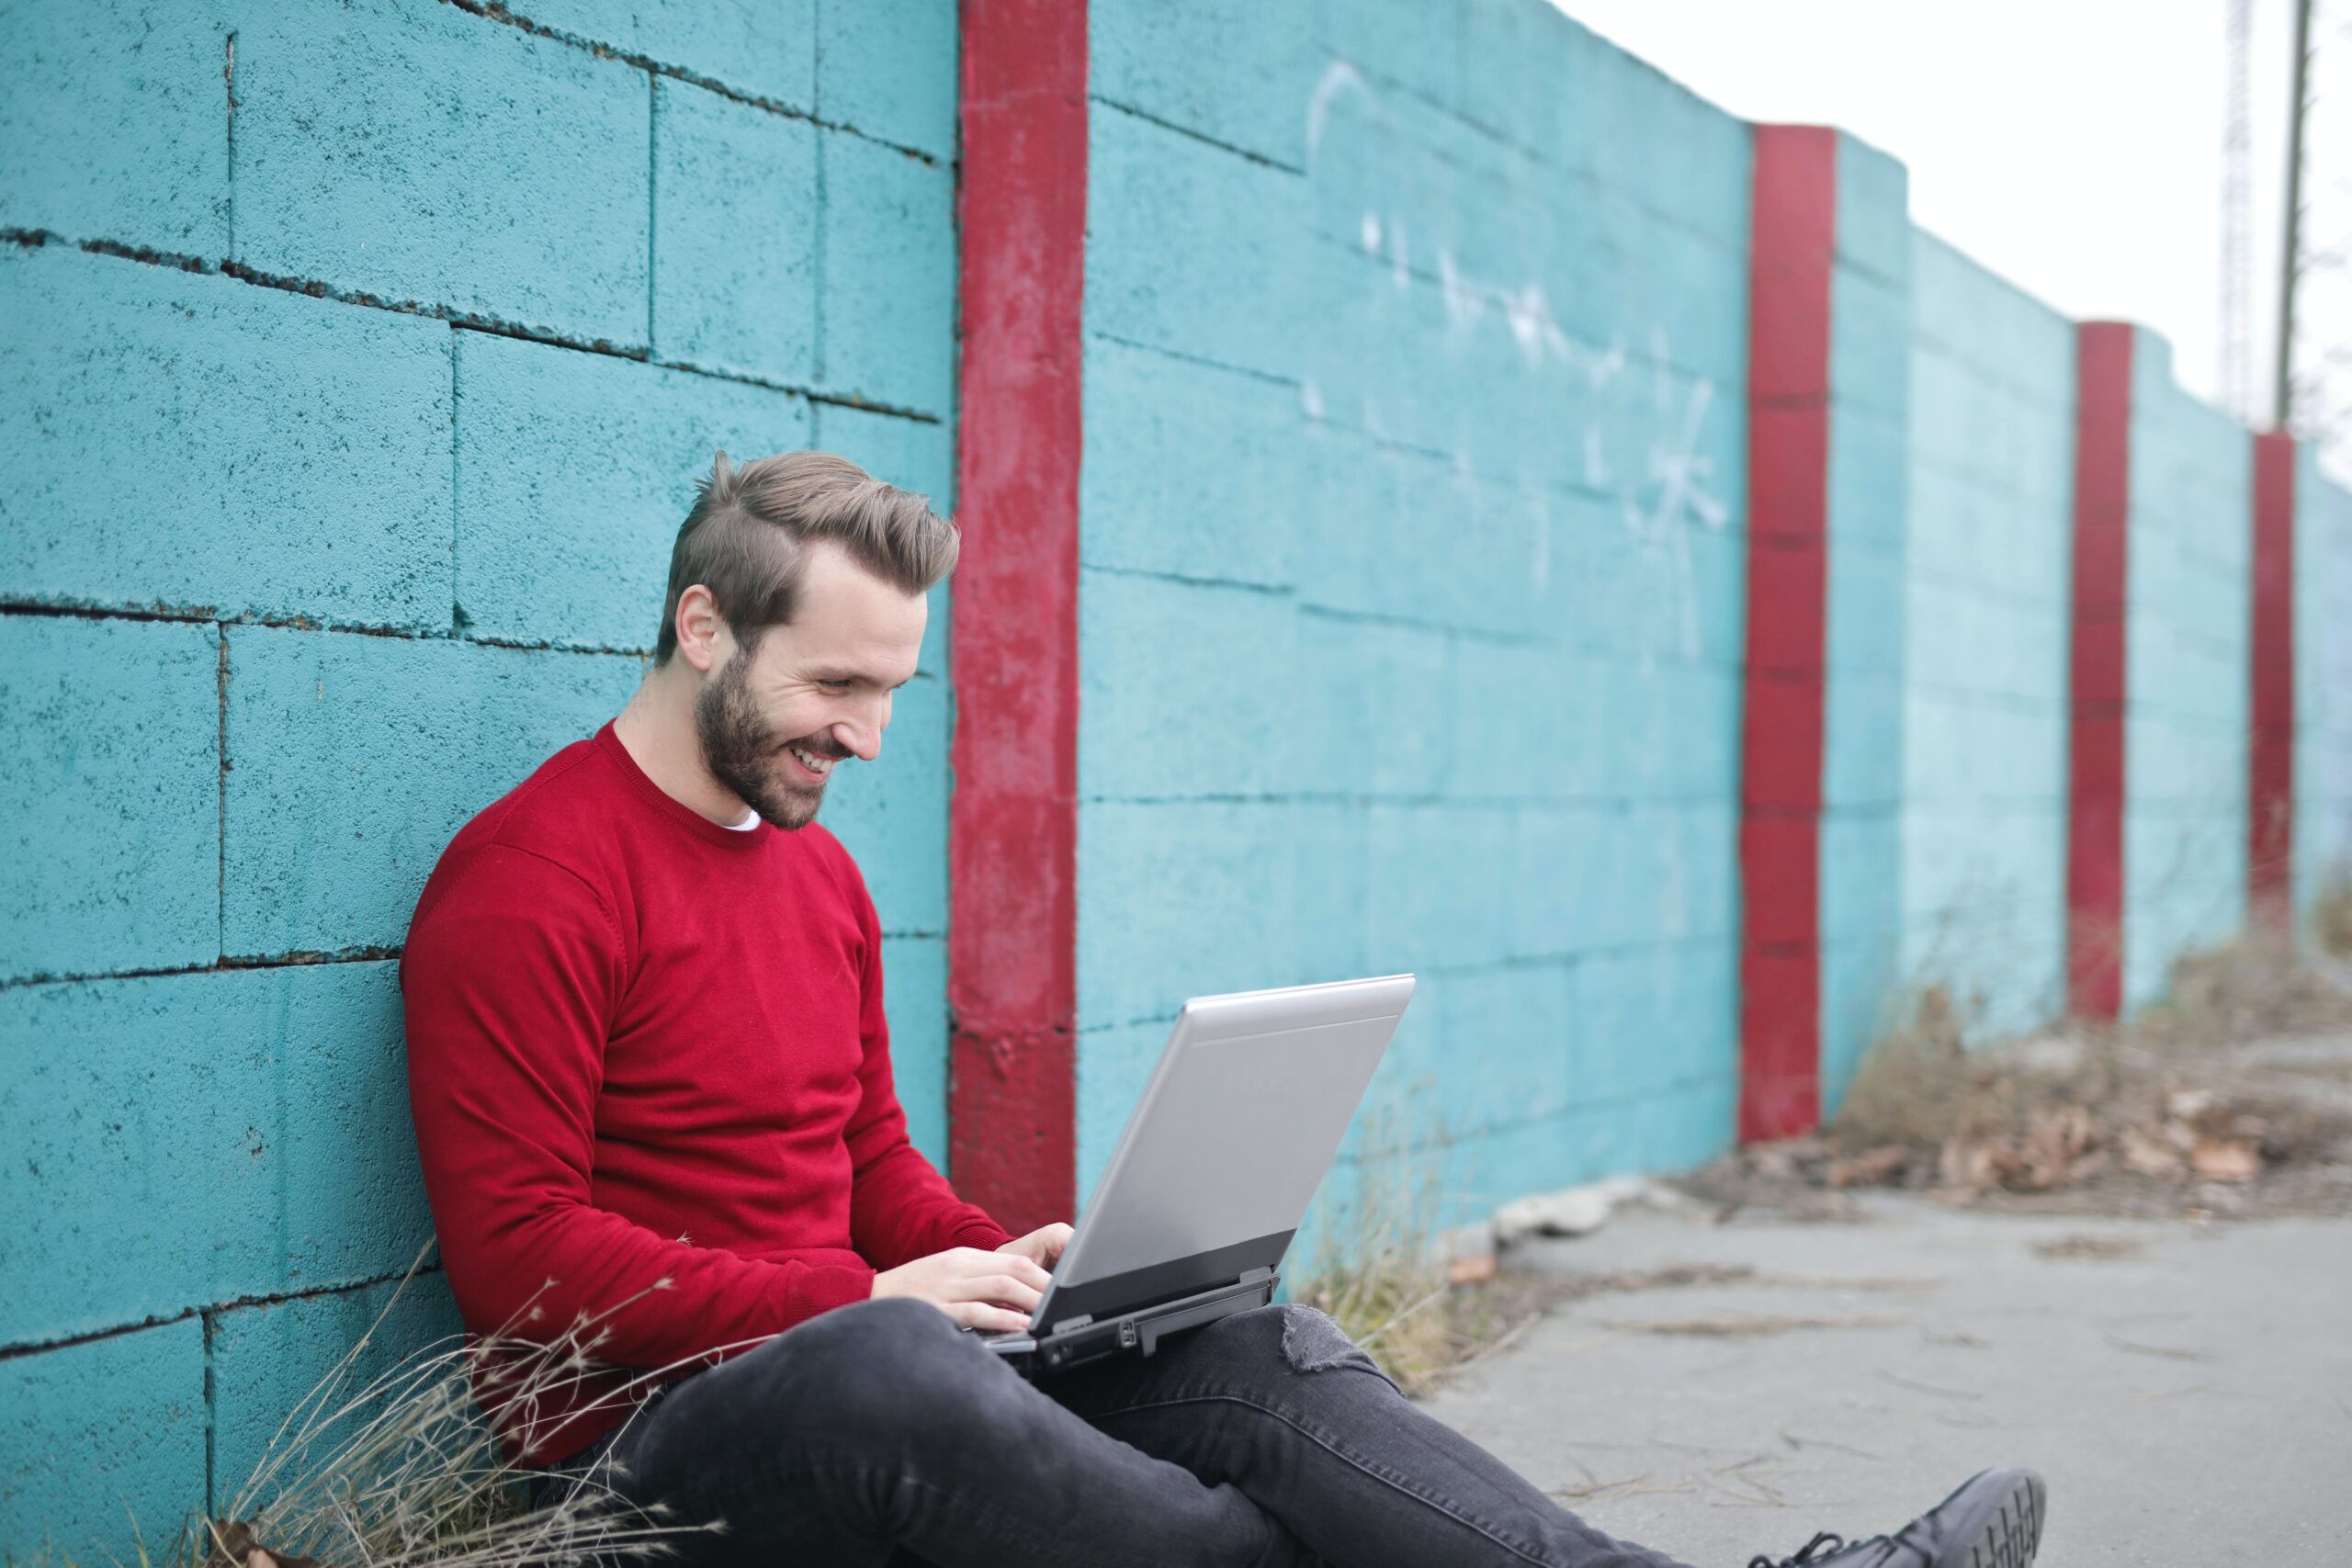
[1042, 1246]
[979, 1290]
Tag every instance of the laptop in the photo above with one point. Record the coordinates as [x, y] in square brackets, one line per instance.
[1208, 1182]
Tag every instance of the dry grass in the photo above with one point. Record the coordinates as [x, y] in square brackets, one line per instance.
[2166, 1109]
[402, 1471]
[1376, 1274]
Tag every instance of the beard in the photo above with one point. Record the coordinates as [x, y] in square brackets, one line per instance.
[741, 749]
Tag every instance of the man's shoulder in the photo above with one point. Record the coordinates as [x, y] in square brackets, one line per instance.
[829, 852]
[562, 814]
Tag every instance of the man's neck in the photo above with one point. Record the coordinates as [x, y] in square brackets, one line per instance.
[657, 729]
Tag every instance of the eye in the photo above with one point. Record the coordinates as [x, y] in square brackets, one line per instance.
[833, 688]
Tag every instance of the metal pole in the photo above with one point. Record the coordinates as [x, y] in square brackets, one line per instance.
[2290, 262]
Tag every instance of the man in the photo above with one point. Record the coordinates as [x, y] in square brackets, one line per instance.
[651, 1077]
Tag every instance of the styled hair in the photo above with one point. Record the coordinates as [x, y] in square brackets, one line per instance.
[747, 538]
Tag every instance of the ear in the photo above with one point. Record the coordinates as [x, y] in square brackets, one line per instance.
[704, 641]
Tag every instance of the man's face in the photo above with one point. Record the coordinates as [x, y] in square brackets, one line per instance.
[813, 692]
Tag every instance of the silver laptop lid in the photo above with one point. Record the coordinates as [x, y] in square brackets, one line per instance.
[1228, 1143]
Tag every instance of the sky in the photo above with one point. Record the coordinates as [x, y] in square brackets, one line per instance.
[2074, 146]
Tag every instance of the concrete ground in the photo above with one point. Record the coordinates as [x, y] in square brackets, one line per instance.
[2185, 1390]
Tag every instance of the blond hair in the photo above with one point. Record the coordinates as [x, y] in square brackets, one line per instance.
[747, 538]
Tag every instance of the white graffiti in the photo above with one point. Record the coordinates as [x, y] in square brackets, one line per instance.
[1658, 500]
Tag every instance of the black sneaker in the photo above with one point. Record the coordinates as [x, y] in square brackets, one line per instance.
[1993, 1521]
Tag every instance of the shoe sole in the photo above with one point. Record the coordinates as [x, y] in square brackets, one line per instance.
[2003, 1530]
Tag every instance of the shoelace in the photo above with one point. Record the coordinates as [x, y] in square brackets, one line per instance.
[1820, 1546]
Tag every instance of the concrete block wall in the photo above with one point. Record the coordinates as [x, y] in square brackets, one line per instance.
[1863, 696]
[2322, 858]
[1986, 609]
[356, 362]
[1412, 562]
[2186, 720]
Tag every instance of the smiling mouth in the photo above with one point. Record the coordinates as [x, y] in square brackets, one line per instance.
[816, 767]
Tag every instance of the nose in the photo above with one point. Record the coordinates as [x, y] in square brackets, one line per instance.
[861, 735]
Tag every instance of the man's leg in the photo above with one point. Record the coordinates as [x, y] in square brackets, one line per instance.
[1278, 1403]
[878, 1427]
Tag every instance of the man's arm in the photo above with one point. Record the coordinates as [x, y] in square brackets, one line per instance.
[508, 981]
[901, 1207]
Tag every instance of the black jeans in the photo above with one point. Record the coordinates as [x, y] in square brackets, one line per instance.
[877, 1434]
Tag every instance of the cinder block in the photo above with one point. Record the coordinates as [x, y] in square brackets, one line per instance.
[1430, 877]
[1184, 898]
[1860, 872]
[193, 442]
[1239, 75]
[1198, 472]
[1368, 711]
[1534, 65]
[106, 1446]
[1861, 755]
[1873, 211]
[888, 68]
[504, 174]
[111, 790]
[914, 988]
[1564, 855]
[891, 813]
[1870, 360]
[1506, 1044]
[763, 50]
[1860, 1000]
[734, 236]
[575, 471]
[914, 454]
[1523, 721]
[889, 327]
[188, 1139]
[1635, 1040]
[1175, 688]
[1867, 476]
[1864, 630]
[114, 126]
[354, 760]
[1191, 248]
[1413, 45]
[272, 1358]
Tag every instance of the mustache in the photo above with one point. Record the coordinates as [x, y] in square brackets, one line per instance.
[817, 749]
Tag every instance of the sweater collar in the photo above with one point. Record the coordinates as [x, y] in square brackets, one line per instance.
[678, 811]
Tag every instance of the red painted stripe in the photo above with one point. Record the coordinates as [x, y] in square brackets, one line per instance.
[2096, 756]
[2270, 779]
[1793, 247]
[1013, 852]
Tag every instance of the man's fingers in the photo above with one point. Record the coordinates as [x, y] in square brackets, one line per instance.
[997, 1288]
[980, 1315]
[1020, 1266]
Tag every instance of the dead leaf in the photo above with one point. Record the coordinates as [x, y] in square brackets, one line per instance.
[2226, 1159]
[234, 1546]
[2149, 1155]
[1875, 1167]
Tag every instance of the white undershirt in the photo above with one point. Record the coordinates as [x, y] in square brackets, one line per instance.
[746, 825]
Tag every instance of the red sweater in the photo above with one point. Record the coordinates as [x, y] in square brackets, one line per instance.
[643, 1046]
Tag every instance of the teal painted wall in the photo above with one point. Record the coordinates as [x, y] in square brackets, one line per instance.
[1862, 711]
[2189, 649]
[2323, 853]
[343, 436]
[1413, 568]
[1986, 610]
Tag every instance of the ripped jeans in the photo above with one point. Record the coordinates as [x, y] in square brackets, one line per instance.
[877, 1434]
